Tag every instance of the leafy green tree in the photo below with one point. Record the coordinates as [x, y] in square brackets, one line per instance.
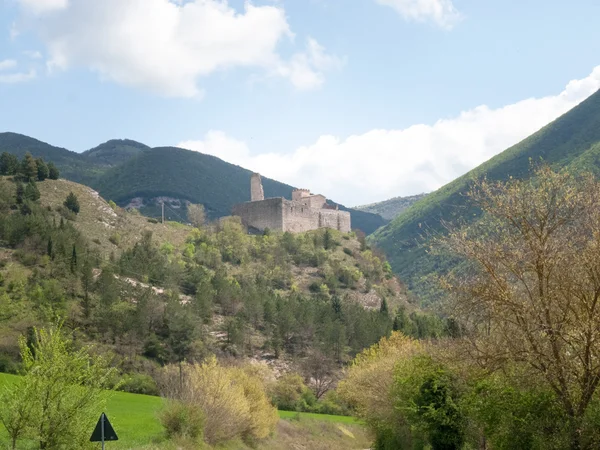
[59, 396]
[29, 168]
[32, 192]
[9, 164]
[72, 203]
[42, 169]
[53, 172]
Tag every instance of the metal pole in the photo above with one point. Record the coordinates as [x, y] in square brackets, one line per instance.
[163, 211]
[102, 430]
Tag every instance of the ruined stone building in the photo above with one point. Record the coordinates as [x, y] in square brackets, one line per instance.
[303, 212]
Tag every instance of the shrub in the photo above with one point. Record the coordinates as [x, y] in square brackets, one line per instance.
[139, 384]
[347, 251]
[182, 420]
[233, 401]
[115, 238]
[113, 205]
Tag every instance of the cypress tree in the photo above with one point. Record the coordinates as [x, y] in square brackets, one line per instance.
[383, 309]
[74, 259]
[49, 248]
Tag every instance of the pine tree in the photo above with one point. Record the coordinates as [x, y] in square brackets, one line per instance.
[29, 169]
[74, 260]
[32, 193]
[53, 172]
[20, 193]
[42, 169]
[8, 164]
[72, 203]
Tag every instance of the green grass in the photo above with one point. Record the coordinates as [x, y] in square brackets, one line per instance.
[134, 418]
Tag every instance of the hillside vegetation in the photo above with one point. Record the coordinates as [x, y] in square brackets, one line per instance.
[571, 140]
[129, 172]
[151, 294]
[390, 209]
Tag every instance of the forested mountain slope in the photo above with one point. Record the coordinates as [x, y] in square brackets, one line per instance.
[127, 171]
[571, 140]
[392, 208]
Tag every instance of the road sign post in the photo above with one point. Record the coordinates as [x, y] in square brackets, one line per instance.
[103, 431]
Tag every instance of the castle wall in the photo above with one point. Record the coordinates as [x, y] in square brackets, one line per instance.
[261, 214]
[337, 220]
[298, 217]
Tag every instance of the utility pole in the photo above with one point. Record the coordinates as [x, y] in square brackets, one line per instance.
[163, 211]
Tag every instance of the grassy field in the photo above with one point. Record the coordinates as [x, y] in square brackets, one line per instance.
[134, 418]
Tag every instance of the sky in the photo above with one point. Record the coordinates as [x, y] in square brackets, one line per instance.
[360, 100]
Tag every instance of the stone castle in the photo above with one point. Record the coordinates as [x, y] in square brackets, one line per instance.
[303, 212]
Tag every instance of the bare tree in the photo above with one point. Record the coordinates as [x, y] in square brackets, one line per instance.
[320, 373]
[529, 287]
[196, 215]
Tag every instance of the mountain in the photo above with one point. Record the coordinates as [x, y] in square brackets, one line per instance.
[73, 166]
[572, 140]
[131, 173]
[390, 209]
[115, 151]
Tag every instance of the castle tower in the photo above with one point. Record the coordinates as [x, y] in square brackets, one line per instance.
[299, 194]
[256, 188]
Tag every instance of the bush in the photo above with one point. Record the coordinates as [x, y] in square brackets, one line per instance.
[115, 239]
[139, 384]
[347, 251]
[182, 420]
[233, 400]
[8, 364]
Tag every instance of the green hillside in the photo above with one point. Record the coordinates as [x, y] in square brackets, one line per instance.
[124, 169]
[115, 151]
[73, 166]
[392, 208]
[571, 140]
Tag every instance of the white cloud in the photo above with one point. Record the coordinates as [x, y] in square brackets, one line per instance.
[166, 46]
[44, 6]
[17, 77]
[33, 54]
[441, 12]
[381, 164]
[7, 64]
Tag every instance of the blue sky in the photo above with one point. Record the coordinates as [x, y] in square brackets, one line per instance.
[360, 100]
